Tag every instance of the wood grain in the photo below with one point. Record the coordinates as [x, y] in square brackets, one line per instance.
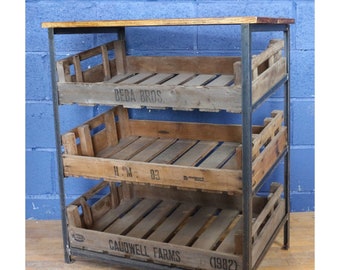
[166, 22]
[44, 248]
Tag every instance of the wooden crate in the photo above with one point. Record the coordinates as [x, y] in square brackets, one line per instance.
[200, 156]
[187, 229]
[194, 82]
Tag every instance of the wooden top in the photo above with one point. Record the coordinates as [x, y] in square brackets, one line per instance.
[169, 22]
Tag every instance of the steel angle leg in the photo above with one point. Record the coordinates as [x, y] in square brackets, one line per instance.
[67, 255]
[247, 145]
[286, 237]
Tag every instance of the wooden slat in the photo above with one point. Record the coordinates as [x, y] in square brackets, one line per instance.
[153, 173]
[165, 230]
[125, 223]
[187, 233]
[116, 148]
[228, 244]
[274, 197]
[137, 78]
[69, 143]
[212, 234]
[120, 56]
[133, 148]
[221, 80]
[192, 131]
[264, 162]
[182, 64]
[219, 156]
[153, 219]
[77, 69]
[153, 150]
[176, 96]
[85, 141]
[119, 77]
[196, 153]
[268, 230]
[173, 152]
[179, 79]
[157, 79]
[199, 80]
[273, 48]
[272, 125]
[106, 63]
[110, 128]
[124, 129]
[113, 214]
[87, 213]
[268, 79]
[73, 216]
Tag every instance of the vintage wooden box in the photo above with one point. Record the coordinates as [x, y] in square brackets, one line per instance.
[170, 226]
[179, 82]
[188, 155]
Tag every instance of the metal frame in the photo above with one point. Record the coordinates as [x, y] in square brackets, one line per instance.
[247, 110]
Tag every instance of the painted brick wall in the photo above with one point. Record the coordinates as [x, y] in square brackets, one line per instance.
[42, 193]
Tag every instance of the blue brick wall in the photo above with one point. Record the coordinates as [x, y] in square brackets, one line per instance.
[42, 192]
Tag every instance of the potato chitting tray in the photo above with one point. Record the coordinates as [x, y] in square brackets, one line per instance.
[200, 156]
[189, 229]
[208, 83]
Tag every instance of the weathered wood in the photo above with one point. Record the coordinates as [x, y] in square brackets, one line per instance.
[124, 129]
[87, 213]
[158, 78]
[131, 218]
[43, 248]
[69, 143]
[274, 47]
[268, 79]
[219, 156]
[133, 148]
[77, 68]
[85, 141]
[207, 146]
[153, 220]
[106, 63]
[186, 130]
[194, 155]
[143, 249]
[152, 173]
[267, 231]
[272, 201]
[187, 233]
[168, 227]
[102, 223]
[173, 152]
[271, 128]
[209, 238]
[168, 22]
[153, 150]
[73, 217]
[264, 162]
[110, 128]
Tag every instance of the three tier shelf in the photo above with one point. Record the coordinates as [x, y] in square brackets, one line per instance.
[173, 194]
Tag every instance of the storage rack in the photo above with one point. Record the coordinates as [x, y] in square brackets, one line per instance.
[247, 104]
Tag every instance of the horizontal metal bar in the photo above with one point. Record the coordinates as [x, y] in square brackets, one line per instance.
[86, 30]
[268, 27]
